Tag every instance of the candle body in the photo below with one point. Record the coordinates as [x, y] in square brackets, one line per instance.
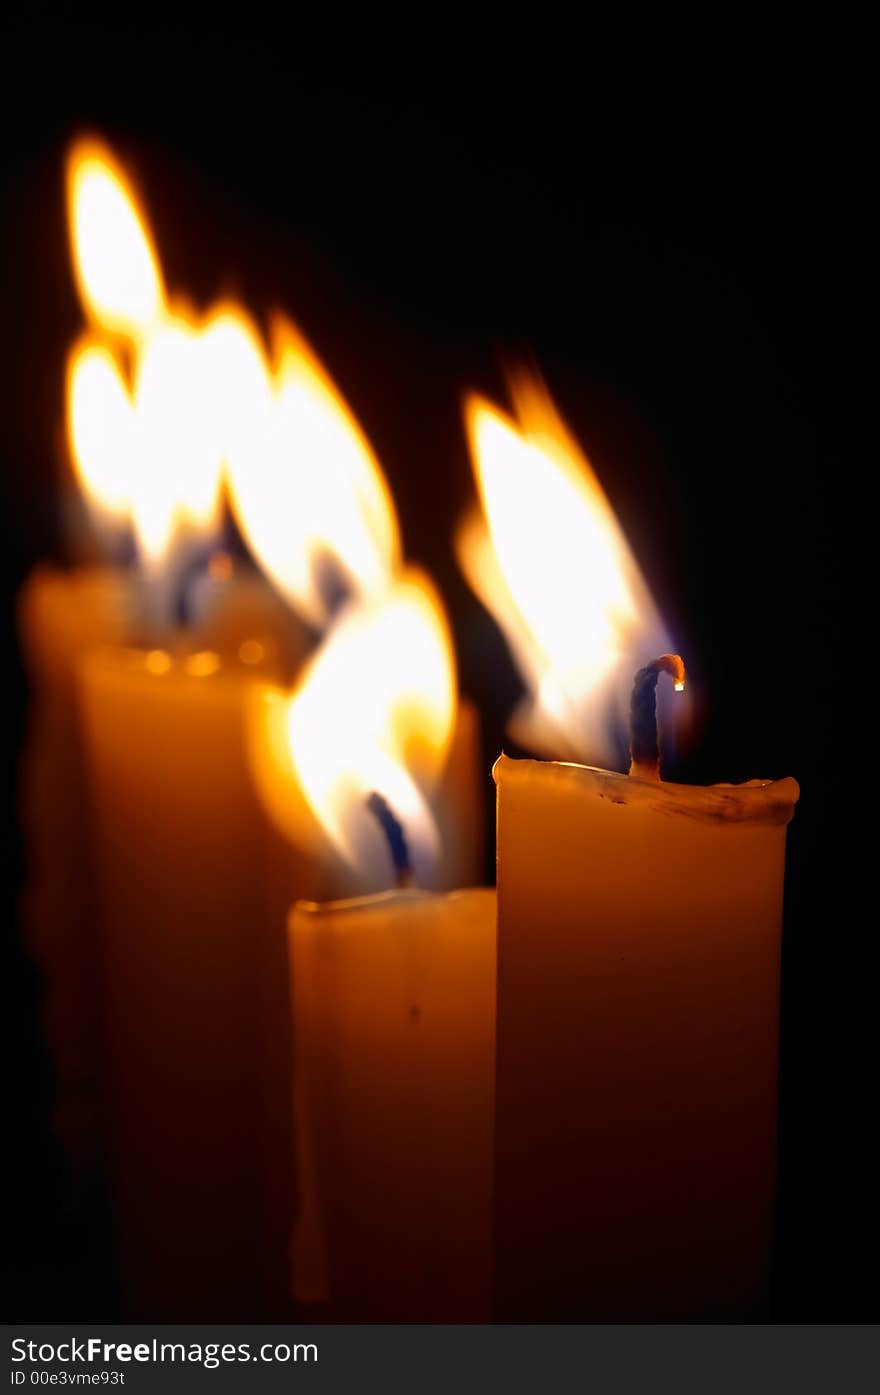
[193, 967]
[61, 615]
[638, 991]
[64, 615]
[394, 1047]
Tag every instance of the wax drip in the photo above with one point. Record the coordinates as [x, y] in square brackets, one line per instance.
[644, 743]
[394, 832]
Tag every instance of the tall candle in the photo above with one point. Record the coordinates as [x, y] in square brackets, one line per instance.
[638, 991]
[192, 963]
[393, 1009]
[62, 614]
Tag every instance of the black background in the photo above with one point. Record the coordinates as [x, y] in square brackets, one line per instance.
[662, 220]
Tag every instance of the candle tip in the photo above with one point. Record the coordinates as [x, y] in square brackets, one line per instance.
[644, 742]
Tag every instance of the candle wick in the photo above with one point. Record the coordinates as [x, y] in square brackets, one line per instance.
[644, 739]
[396, 836]
[332, 582]
[207, 567]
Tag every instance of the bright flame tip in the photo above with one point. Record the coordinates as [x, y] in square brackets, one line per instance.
[116, 264]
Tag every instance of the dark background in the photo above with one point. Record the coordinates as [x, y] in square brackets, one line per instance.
[662, 220]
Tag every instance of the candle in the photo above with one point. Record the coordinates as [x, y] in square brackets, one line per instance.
[638, 929]
[60, 616]
[167, 409]
[393, 993]
[115, 439]
[393, 1009]
[638, 994]
[192, 892]
[192, 887]
[186, 829]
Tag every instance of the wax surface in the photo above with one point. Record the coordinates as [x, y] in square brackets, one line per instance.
[394, 1043]
[193, 892]
[61, 615]
[638, 991]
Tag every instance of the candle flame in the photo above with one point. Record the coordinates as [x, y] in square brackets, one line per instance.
[150, 454]
[115, 261]
[373, 713]
[100, 426]
[308, 491]
[547, 557]
[175, 483]
[160, 422]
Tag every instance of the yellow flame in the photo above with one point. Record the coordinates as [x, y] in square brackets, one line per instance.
[235, 364]
[373, 712]
[176, 475]
[115, 262]
[306, 486]
[153, 457]
[101, 426]
[307, 489]
[548, 559]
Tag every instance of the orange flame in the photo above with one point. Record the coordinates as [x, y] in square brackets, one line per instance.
[206, 408]
[306, 486]
[101, 426]
[548, 559]
[153, 455]
[373, 712]
[115, 261]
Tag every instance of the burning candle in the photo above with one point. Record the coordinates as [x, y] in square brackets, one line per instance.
[638, 943]
[167, 410]
[393, 993]
[191, 1036]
